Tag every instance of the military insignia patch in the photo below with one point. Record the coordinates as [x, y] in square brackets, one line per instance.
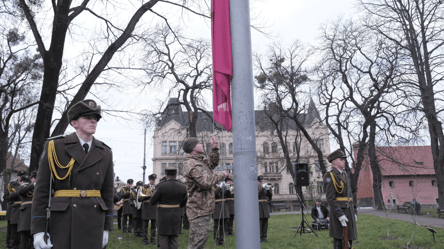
[91, 104]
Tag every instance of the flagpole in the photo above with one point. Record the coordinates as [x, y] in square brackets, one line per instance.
[244, 135]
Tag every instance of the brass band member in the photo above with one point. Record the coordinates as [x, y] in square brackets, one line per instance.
[339, 197]
[221, 213]
[230, 201]
[264, 212]
[137, 211]
[12, 238]
[170, 196]
[79, 169]
[127, 217]
[26, 192]
[149, 212]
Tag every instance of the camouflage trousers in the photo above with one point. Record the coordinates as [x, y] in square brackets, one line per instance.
[199, 231]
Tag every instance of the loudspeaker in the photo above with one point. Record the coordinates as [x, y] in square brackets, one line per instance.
[302, 177]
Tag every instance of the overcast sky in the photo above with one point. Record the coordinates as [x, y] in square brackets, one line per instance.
[288, 19]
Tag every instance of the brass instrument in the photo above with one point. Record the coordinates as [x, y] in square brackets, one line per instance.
[268, 186]
[117, 207]
[140, 194]
[231, 188]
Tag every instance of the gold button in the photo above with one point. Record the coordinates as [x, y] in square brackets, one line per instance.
[97, 173]
[75, 188]
[74, 205]
[95, 206]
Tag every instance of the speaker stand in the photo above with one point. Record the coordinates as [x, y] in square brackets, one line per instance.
[301, 227]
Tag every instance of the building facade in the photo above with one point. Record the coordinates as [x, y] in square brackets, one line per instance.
[171, 131]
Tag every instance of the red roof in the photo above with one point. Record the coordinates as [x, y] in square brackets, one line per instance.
[405, 160]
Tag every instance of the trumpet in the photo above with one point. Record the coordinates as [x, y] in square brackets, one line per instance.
[268, 186]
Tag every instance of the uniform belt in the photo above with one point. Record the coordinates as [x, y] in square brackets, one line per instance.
[219, 200]
[17, 202]
[344, 199]
[77, 193]
[168, 206]
[229, 199]
[146, 201]
[26, 202]
[262, 200]
[125, 200]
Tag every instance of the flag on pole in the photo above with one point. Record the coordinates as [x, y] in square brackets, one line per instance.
[222, 62]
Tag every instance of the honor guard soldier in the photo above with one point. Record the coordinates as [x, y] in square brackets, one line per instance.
[15, 211]
[230, 201]
[170, 196]
[339, 196]
[26, 192]
[265, 194]
[11, 196]
[79, 169]
[136, 210]
[221, 214]
[127, 217]
[149, 211]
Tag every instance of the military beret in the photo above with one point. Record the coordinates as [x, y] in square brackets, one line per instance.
[189, 144]
[170, 171]
[21, 173]
[130, 181]
[336, 154]
[152, 177]
[84, 108]
[139, 183]
[33, 174]
[260, 178]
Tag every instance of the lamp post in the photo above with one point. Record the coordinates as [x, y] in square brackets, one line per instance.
[144, 153]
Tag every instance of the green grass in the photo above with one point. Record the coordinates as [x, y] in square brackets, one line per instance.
[372, 233]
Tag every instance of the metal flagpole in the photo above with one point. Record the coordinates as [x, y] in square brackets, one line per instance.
[244, 136]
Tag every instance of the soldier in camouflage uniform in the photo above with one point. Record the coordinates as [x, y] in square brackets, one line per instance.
[199, 181]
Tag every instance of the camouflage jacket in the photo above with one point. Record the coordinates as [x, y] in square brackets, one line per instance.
[199, 181]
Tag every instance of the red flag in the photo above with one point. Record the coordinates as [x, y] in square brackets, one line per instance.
[222, 61]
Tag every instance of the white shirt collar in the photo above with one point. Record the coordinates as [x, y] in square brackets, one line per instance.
[83, 142]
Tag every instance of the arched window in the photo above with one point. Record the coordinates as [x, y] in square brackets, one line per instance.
[291, 188]
[230, 148]
[276, 189]
[265, 167]
[274, 147]
[266, 148]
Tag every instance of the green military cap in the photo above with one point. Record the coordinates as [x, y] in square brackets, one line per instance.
[85, 107]
[170, 171]
[336, 154]
[189, 144]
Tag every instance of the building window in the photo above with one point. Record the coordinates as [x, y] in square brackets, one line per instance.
[172, 165]
[173, 147]
[319, 143]
[180, 168]
[265, 167]
[277, 167]
[266, 148]
[223, 149]
[274, 147]
[391, 184]
[180, 147]
[230, 148]
[394, 201]
[317, 165]
[163, 168]
[271, 167]
[433, 183]
[320, 187]
[291, 188]
[276, 189]
[164, 147]
[410, 183]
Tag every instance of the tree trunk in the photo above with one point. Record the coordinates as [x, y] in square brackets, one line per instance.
[376, 170]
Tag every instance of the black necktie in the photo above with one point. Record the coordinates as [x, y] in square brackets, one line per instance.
[86, 146]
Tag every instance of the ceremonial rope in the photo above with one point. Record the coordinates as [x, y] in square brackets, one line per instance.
[52, 157]
[336, 185]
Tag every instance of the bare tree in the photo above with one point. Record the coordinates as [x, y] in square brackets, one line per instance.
[418, 28]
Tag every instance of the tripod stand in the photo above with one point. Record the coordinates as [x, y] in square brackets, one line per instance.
[301, 226]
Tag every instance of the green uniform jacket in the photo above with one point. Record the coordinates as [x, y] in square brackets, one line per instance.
[75, 222]
[26, 192]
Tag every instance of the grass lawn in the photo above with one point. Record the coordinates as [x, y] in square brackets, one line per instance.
[372, 233]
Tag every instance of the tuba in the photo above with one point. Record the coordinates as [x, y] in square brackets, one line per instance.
[140, 194]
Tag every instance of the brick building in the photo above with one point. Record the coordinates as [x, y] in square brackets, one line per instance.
[407, 174]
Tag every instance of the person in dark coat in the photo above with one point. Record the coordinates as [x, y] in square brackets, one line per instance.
[118, 205]
[221, 213]
[265, 194]
[149, 211]
[79, 169]
[12, 196]
[339, 198]
[127, 217]
[319, 211]
[26, 192]
[137, 211]
[15, 211]
[230, 201]
[170, 196]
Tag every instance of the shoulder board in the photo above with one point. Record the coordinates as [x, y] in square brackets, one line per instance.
[106, 145]
[55, 137]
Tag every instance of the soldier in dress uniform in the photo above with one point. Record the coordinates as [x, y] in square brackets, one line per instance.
[79, 169]
[221, 213]
[26, 192]
[230, 201]
[264, 212]
[127, 217]
[15, 211]
[12, 196]
[339, 197]
[170, 196]
[137, 211]
[149, 211]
